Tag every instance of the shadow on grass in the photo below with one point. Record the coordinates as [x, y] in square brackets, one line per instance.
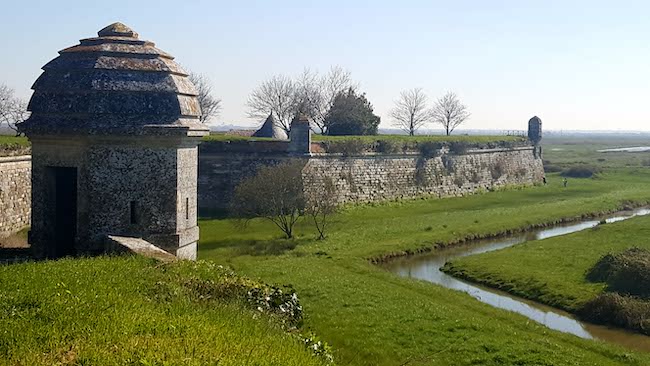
[269, 247]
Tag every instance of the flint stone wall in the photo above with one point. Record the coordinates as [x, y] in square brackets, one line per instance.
[15, 193]
[112, 174]
[376, 177]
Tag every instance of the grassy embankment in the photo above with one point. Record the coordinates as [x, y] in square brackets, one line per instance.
[136, 311]
[373, 138]
[11, 145]
[553, 271]
[372, 317]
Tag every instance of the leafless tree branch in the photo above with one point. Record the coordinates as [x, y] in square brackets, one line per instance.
[410, 111]
[13, 110]
[275, 96]
[210, 106]
[449, 112]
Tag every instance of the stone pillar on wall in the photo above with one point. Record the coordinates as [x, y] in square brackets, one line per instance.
[535, 134]
[300, 135]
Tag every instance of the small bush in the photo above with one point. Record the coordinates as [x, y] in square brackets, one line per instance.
[623, 311]
[550, 167]
[497, 170]
[627, 272]
[429, 149]
[601, 271]
[475, 178]
[281, 302]
[583, 171]
[458, 147]
[389, 146]
[449, 163]
[348, 147]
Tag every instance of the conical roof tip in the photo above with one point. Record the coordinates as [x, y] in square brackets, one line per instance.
[117, 29]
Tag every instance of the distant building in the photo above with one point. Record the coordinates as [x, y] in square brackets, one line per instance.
[114, 130]
[270, 129]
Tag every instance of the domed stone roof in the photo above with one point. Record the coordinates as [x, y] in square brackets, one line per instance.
[114, 84]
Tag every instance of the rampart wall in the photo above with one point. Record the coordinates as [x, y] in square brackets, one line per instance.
[371, 177]
[365, 177]
[15, 193]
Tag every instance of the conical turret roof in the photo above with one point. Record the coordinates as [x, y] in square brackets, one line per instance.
[271, 129]
[114, 84]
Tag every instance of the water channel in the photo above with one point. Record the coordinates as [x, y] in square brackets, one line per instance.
[427, 267]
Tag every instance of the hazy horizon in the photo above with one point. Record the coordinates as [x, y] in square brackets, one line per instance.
[579, 65]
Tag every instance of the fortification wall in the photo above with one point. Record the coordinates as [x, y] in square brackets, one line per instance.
[15, 193]
[361, 178]
[376, 177]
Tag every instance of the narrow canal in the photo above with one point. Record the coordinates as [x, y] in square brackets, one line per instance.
[427, 267]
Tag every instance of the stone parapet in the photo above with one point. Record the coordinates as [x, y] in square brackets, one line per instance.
[15, 193]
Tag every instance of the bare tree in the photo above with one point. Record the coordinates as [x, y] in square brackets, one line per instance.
[410, 111]
[210, 106]
[12, 110]
[321, 204]
[274, 193]
[336, 81]
[449, 112]
[276, 96]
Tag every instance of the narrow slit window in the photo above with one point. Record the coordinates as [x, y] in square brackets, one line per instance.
[187, 209]
[134, 212]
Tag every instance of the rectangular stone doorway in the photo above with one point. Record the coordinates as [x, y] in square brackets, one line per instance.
[65, 211]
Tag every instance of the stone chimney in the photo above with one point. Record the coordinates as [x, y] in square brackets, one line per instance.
[300, 135]
[114, 130]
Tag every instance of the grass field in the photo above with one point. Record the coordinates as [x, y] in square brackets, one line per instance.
[372, 317]
[567, 151]
[552, 271]
[134, 311]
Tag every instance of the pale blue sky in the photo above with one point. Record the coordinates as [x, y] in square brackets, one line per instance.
[576, 64]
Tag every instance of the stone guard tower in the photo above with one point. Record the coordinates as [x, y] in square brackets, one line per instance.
[114, 131]
[535, 135]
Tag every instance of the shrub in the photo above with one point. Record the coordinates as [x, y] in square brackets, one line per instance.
[582, 171]
[348, 147]
[274, 193]
[623, 311]
[497, 170]
[429, 149]
[550, 167]
[389, 146]
[601, 271]
[627, 272]
[281, 302]
[449, 163]
[458, 147]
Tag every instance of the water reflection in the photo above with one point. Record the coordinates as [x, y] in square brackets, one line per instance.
[427, 267]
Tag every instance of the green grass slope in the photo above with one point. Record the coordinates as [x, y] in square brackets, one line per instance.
[133, 311]
[552, 271]
[11, 145]
[372, 317]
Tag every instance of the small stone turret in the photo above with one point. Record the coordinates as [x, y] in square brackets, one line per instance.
[114, 130]
[535, 135]
[535, 130]
[300, 135]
